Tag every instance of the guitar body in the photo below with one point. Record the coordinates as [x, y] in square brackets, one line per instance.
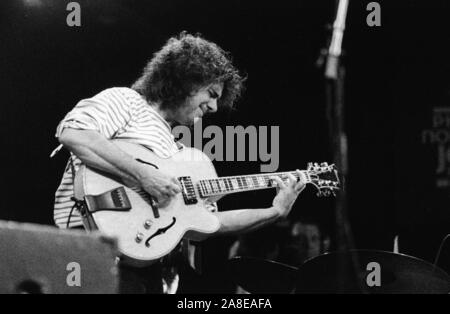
[145, 235]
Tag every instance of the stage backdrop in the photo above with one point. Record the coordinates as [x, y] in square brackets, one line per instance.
[398, 155]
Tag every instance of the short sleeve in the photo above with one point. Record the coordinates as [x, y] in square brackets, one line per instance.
[107, 112]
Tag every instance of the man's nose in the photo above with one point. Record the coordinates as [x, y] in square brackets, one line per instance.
[212, 105]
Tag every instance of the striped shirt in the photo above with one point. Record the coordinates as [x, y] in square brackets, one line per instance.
[117, 113]
[120, 113]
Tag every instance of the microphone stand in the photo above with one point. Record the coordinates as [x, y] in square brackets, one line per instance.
[334, 88]
[334, 80]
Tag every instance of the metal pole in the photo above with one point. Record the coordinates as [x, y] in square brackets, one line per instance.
[335, 79]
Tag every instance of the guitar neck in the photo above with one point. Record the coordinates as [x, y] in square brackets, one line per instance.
[235, 184]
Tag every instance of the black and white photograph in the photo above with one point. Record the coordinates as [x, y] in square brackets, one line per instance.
[225, 152]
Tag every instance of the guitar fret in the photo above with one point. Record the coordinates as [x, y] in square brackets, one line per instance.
[261, 181]
[216, 181]
[205, 187]
[225, 180]
[239, 182]
[244, 182]
[202, 190]
[241, 179]
[231, 183]
[247, 182]
[200, 187]
[223, 185]
[210, 187]
[255, 182]
[268, 181]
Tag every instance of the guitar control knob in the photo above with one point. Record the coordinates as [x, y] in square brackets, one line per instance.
[148, 224]
[139, 237]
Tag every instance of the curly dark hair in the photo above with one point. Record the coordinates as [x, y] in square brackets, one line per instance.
[185, 64]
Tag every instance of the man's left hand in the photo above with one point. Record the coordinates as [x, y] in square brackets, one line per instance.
[287, 193]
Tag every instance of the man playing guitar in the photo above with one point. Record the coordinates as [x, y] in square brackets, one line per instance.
[188, 78]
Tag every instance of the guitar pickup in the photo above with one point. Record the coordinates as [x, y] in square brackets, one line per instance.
[113, 200]
[188, 191]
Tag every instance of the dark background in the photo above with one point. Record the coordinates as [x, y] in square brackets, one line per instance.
[395, 74]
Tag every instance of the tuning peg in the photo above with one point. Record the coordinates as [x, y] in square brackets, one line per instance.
[310, 165]
[324, 164]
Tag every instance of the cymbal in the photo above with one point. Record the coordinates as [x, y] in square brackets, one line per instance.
[397, 274]
[260, 276]
[355, 271]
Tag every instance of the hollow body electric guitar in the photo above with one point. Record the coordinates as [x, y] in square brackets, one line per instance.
[145, 232]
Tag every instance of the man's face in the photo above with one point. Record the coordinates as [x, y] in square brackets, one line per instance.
[307, 236]
[198, 104]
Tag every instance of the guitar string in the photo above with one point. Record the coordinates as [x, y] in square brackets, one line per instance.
[242, 183]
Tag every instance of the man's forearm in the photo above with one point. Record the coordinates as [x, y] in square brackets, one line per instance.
[246, 220]
[96, 151]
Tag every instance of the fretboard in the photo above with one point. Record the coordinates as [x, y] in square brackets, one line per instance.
[228, 185]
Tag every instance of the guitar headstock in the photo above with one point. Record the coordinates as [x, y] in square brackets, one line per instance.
[324, 177]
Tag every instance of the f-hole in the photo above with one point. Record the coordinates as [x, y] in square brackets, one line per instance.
[152, 201]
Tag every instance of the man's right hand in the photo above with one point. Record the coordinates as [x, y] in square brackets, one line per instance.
[98, 152]
[159, 185]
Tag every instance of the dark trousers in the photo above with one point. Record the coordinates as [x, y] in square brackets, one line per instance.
[148, 280]
[145, 280]
[139, 280]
